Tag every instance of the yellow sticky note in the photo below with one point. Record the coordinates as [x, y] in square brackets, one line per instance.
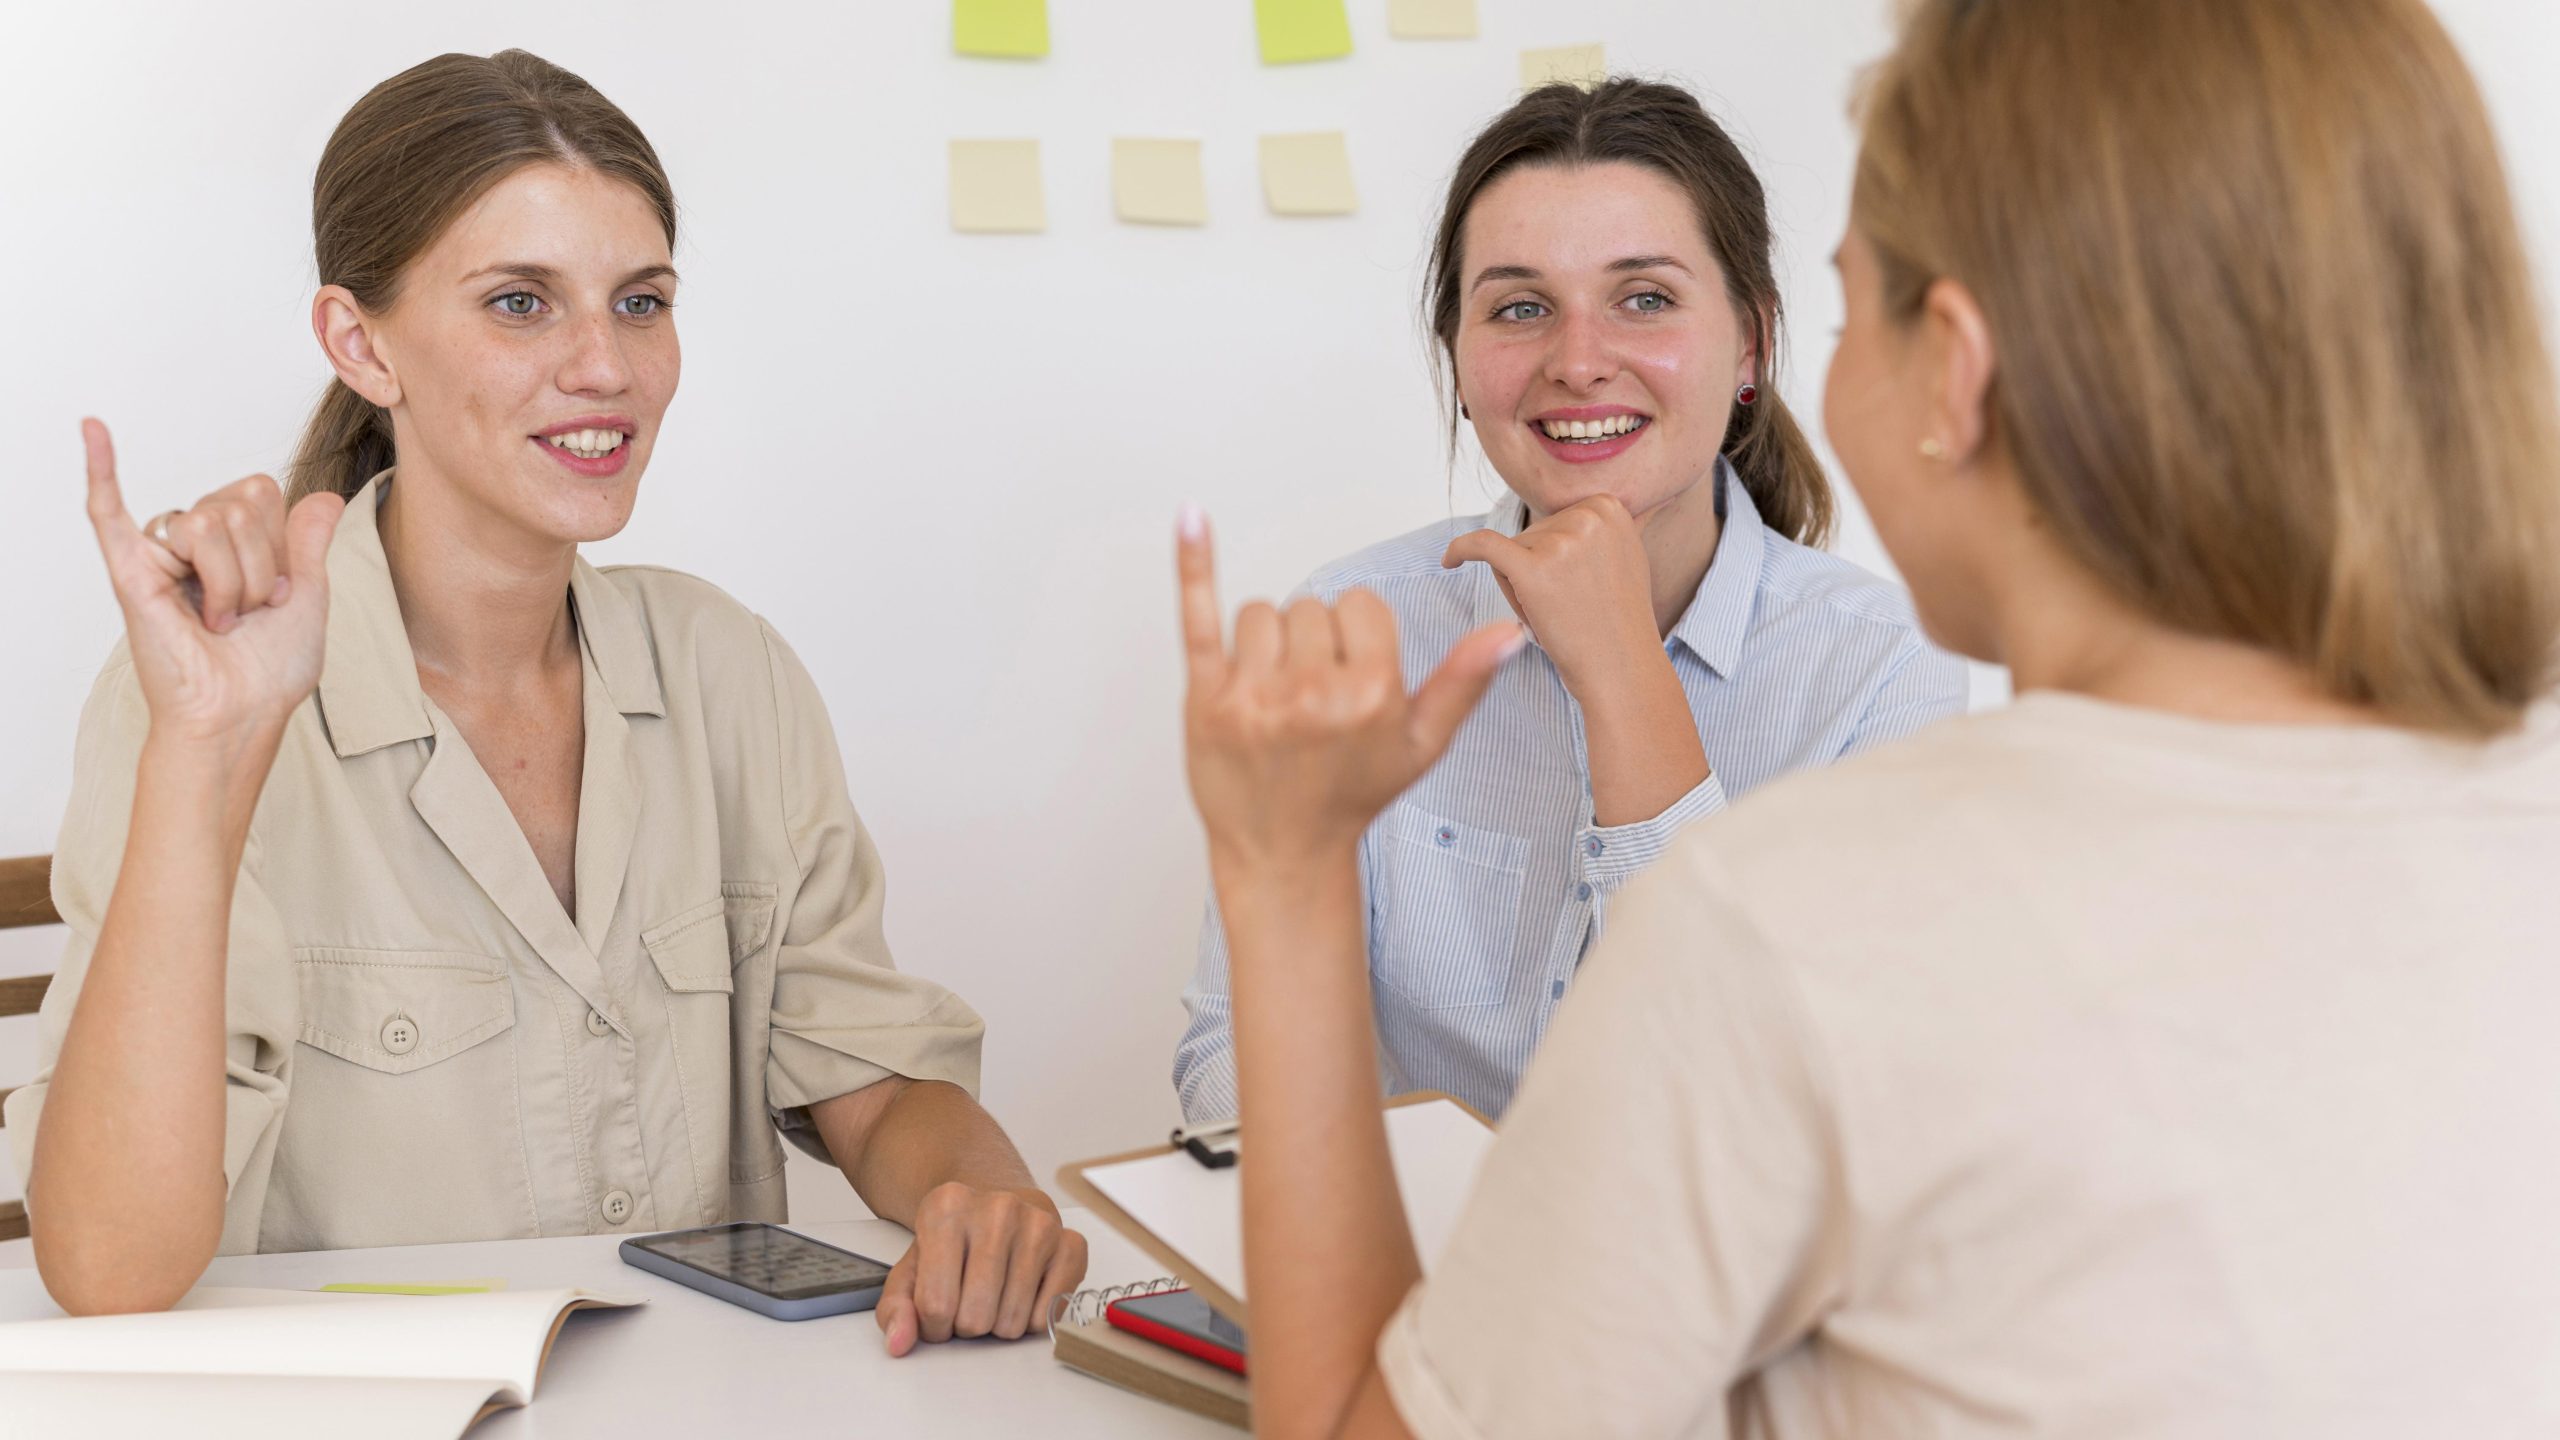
[1580, 65]
[1308, 174]
[1005, 29]
[1294, 30]
[1158, 182]
[1431, 19]
[995, 188]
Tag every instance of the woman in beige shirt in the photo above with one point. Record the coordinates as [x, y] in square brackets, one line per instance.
[2166, 1055]
[427, 883]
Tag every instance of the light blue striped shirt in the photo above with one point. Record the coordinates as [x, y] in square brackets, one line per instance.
[1487, 881]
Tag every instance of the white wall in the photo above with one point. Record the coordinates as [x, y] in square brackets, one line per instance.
[944, 466]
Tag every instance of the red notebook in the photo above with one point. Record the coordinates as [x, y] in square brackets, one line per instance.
[1182, 1321]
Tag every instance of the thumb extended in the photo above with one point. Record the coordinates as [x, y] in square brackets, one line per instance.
[306, 540]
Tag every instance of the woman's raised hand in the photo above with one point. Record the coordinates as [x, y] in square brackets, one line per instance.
[225, 606]
[1581, 580]
[1303, 732]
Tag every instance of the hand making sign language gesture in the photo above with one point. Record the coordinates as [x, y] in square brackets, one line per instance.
[1302, 732]
[225, 604]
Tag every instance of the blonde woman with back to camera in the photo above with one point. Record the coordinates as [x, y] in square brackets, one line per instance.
[2166, 1055]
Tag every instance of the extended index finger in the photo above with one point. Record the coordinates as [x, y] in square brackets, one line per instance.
[1203, 632]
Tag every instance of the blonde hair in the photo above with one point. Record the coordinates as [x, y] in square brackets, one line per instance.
[2270, 356]
[407, 159]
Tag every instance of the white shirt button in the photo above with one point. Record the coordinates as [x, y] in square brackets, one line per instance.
[399, 1034]
[597, 1024]
[617, 1207]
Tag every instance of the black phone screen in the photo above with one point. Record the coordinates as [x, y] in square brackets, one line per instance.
[781, 1263]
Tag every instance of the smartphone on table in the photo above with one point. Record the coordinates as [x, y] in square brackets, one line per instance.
[764, 1268]
[1180, 1320]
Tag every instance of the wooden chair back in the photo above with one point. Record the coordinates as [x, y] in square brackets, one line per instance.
[26, 898]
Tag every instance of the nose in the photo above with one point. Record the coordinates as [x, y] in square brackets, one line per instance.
[1579, 358]
[594, 364]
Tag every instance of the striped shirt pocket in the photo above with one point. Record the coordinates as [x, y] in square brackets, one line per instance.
[1445, 908]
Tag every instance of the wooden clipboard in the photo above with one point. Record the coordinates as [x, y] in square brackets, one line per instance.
[1071, 1179]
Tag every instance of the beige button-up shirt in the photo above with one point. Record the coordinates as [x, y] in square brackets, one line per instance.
[423, 1046]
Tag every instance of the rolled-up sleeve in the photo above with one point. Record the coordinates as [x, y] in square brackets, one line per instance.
[843, 1015]
[261, 1003]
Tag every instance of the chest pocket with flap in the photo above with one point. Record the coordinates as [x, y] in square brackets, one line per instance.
[396, 1011]
[691, 950]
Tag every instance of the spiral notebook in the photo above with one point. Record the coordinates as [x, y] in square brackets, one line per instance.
[1189, 1217]
[1086, 1342]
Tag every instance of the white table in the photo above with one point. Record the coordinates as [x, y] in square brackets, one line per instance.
[688, 1365]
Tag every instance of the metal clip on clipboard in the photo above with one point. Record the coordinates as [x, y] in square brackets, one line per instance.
[1215, 1146]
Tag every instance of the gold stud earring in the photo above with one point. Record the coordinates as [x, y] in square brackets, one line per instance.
[1931, 449]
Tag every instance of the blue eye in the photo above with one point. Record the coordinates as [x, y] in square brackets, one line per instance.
[1649, 302]
[1517, 310]
[641, 307]
[508, 304]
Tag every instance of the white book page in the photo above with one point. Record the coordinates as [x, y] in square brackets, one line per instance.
[492, 1340]
[239, 1407]
[1436, 1147]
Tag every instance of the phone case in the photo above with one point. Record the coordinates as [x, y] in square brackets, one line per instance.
[841, 1303]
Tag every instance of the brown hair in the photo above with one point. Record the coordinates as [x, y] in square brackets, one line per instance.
[412, 155]
[1664, 129]
[2269, 357]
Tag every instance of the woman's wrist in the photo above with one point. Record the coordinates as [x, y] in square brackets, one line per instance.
[214, 780]
[1280, 882]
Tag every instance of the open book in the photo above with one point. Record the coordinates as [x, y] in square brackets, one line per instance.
[272, 1364]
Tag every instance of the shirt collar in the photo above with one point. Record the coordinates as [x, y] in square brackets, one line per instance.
[1719, 615]
[369, 691]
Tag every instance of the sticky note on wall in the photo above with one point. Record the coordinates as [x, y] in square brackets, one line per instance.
[995, 187]
[1308, 174]
[1295, 30]
[1581, 65]
[1005, 29]
[1159, 182]
[1431, 19]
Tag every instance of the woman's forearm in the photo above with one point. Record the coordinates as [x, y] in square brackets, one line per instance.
[127, 1188]
[898, 1139]
[1643, 745]
[1326, 1246]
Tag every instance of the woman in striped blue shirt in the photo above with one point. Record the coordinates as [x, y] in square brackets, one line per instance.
[1605, 301]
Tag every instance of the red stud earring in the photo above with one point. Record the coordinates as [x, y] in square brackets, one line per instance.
[1749, 394]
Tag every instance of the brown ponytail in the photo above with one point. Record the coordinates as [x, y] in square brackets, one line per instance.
[410, 156]
[1663, 128]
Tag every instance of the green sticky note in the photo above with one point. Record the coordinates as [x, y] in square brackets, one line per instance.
[1005, 29]
[1295, 30]
[360, 1288]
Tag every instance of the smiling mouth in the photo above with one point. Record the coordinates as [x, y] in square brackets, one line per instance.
[1591, 432]
[587, 444]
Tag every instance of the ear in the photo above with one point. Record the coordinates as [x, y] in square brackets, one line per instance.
[1747, 368]
[346, 336]
[1959, 338]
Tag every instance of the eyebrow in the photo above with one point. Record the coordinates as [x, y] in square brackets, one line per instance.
[1630, 263]
[551, 276]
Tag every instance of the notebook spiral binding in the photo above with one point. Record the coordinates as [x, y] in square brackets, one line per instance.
[1086, 1306]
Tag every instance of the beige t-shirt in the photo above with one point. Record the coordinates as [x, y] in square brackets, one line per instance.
[2070, 1070]
[424, 1046]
